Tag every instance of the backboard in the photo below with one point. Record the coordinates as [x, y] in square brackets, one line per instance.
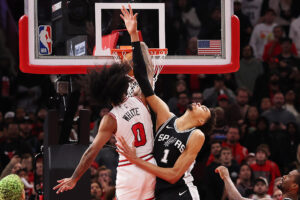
[72, 36]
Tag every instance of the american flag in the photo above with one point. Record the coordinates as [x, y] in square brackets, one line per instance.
[209, 47]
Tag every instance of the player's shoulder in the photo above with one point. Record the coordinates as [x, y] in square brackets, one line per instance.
[197, 134]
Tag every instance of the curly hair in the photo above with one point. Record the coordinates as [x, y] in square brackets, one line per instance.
[11, 187]
[108, 86]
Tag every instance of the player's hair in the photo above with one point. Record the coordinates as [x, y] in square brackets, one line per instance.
[210, 124]
[108, 85]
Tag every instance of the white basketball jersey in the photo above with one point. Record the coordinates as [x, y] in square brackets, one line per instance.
[134, 124]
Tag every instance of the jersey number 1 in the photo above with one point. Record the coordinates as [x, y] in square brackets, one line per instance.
[139, 134]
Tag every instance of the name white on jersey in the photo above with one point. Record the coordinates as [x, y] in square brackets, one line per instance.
[134, 124]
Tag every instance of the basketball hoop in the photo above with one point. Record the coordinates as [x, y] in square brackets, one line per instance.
[157, 56]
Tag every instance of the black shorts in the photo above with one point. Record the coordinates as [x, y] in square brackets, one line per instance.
[179, 193]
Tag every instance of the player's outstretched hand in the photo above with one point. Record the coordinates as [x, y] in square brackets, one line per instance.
[126, 150]
[129, 20]
[223, 172]
[65, 185]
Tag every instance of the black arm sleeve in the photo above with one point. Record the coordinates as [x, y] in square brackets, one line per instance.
[140, 71]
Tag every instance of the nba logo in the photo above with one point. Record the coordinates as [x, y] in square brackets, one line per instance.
[45, 37]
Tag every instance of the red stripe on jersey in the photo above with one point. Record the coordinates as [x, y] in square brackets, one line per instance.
[139, 157]
[131, 163]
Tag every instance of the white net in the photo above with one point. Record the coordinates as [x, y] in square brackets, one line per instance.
[156, 55]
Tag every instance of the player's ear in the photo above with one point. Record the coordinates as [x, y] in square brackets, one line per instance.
[201, 122]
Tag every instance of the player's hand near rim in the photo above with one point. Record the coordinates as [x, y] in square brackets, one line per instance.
[130, 22]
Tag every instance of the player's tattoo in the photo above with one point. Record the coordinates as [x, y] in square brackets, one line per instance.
[85, 162]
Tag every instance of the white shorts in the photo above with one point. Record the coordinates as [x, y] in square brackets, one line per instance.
[133, 183]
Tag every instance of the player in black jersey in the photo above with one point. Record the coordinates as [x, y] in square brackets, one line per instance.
[177, 141]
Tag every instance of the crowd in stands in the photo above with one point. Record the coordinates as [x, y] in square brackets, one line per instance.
[258, 107]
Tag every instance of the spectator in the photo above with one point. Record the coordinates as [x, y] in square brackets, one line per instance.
[260, 136]
[12, 167]
[9, 117]
[192, 48]
[296, 163]
[294, 33]
[39, 175]
[294, 139]
[261, 189]
[223, 102]
[221, 128]
[96, 190]
[197, 97]
[277, 194]
[211, 94]
[27, 136]
[277, 114]
[254, 9]
[94, 171]
[246, 27]
[211, 28]
[13, 145]
[250, 159]
[109, 158]
[104, 178]
[262, 33]
[189, 17]
[286, 58]
[266, 85]
[103, 111]
[245, 181]
[213, 184]
[266, 148]
[228, 161]
[20, 114]
[242, 100]
[182, 103]
[250, 69]
[180, 87]
[249, 124]
[215, 149]
[265, 104]
[264, 168]
[274, 48]
[283, 11]
[239, 152]
[290, 100]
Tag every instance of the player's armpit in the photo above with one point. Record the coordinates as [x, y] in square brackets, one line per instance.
[160, 108]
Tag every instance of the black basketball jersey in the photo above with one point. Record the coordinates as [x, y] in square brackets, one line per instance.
[169, 144]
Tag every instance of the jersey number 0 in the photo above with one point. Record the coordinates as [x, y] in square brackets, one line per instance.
[139, 134]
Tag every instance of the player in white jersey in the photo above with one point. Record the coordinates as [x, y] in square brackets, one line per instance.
[135, 126]
[130, 119]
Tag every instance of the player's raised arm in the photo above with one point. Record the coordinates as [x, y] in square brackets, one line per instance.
[140, 70]
[230, 188]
